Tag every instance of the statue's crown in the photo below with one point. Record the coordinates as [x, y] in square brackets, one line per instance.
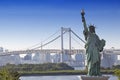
[91, 26]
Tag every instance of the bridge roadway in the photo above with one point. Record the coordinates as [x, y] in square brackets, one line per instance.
[43, 51]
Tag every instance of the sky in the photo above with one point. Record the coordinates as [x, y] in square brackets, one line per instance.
[25, 23]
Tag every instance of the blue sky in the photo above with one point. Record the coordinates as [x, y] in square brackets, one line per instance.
[24, 23]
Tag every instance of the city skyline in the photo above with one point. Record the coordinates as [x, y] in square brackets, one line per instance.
[24, 23]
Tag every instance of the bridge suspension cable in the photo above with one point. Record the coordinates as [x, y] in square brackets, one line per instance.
[51, 35]
[48, 42]
[78, 36]
[32, 47]
[77, 42]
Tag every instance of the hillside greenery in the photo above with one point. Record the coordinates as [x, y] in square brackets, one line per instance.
[39, 67]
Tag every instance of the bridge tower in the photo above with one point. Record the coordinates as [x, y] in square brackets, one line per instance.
[63, 30]
[61, 43]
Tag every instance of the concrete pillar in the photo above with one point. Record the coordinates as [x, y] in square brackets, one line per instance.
[61, 43]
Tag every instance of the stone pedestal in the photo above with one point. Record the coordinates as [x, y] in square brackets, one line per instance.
[94, 77]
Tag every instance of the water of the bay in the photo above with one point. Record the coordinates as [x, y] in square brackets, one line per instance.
[66, 77]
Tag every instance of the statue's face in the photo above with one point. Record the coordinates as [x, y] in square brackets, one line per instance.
[92, 29]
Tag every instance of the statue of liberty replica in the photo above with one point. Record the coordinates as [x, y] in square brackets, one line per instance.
[93, 48]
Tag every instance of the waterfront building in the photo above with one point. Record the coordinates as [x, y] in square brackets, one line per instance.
[10, 59]
[15, 59]
[47, 58]
[1, 49]
[109, 59]
[36, 57]
[42, 58]
[80, 59]
[66, 57]
[55, 58]
[28, 56]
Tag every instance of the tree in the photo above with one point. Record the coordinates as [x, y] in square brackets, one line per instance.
[5, 74]
[117, 73]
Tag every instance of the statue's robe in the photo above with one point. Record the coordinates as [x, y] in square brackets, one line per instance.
[93, 46]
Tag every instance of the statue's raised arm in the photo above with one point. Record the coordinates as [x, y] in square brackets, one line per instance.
[83, 20]
[84, 24]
